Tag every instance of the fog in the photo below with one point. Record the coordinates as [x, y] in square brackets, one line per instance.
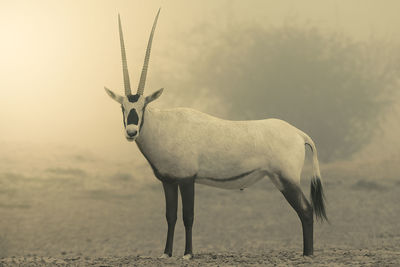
[57, 56]
[73, 189]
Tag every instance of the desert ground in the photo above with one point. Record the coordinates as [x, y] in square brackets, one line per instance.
[66, 206]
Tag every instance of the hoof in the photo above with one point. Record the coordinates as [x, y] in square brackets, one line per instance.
[164, 256]
[187, 257]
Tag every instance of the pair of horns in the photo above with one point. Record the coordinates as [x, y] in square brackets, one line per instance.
[142, 81]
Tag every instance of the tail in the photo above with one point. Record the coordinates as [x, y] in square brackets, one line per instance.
[316, 189]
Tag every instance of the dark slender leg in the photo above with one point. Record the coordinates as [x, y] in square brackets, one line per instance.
[300, 204]
[187, 193]
[171, 201]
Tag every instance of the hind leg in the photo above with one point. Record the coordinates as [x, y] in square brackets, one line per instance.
[300, 204]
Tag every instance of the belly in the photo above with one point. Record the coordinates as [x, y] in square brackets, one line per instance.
[240, 181]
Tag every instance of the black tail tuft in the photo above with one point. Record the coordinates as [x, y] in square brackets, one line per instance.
[317, 198]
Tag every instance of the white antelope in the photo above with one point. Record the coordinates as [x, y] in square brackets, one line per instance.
[184, 146]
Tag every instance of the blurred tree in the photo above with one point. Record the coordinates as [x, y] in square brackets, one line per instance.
[323, 83]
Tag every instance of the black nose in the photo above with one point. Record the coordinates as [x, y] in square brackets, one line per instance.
[132, 133]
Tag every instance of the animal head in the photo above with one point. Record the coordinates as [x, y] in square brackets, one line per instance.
[133, 105]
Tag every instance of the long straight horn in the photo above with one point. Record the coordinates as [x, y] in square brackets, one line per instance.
[142, 81]
[127, 83]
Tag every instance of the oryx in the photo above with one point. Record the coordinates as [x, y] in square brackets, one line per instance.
[184, 146]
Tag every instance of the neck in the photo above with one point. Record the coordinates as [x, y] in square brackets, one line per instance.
[146, 127]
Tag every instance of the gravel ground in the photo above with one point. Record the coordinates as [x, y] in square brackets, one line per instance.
[332, 257]
[77, 211]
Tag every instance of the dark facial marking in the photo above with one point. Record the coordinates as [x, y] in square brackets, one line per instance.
[133, 117]
[142, 121]
[133, 98]
[123, 115]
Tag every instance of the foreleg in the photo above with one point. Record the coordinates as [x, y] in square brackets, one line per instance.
[171, 203]
[187, 193]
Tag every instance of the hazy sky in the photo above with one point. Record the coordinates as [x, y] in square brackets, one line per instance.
[56, 56]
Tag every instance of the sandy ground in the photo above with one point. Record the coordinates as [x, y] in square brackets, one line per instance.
[72, 208]
[331, 257]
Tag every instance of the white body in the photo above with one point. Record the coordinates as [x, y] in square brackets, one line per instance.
[185, 143]
[184, 146]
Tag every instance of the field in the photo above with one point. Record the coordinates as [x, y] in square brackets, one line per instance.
[69, 206]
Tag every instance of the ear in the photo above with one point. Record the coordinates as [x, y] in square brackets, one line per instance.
[153, 96]
[113, 95]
